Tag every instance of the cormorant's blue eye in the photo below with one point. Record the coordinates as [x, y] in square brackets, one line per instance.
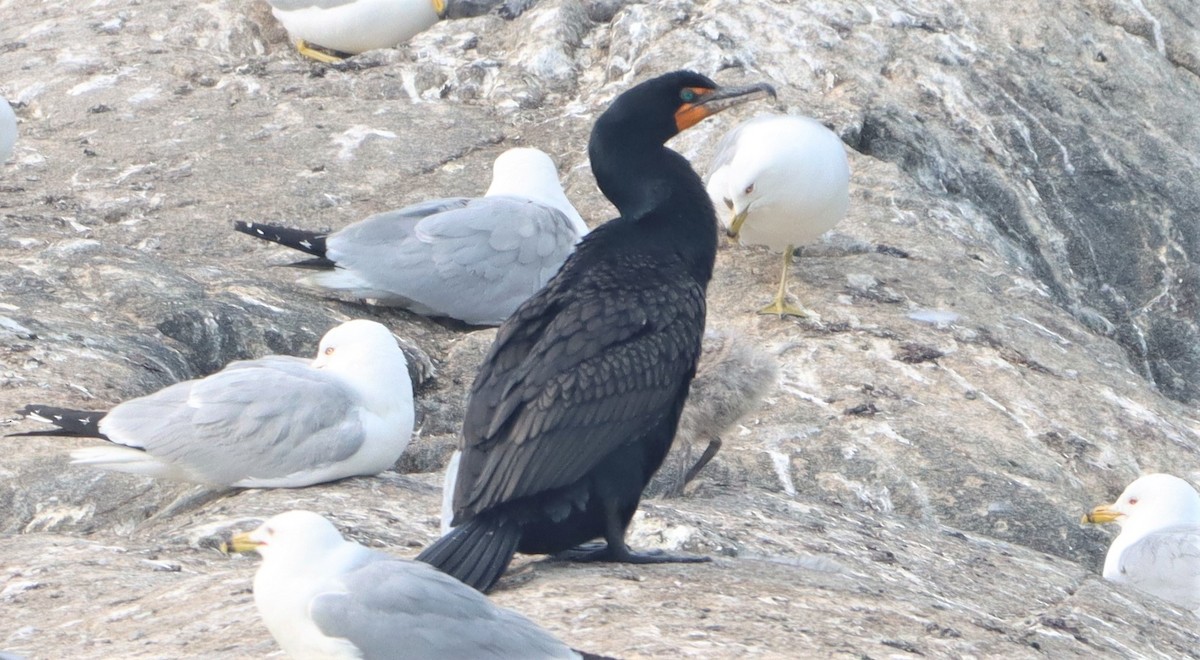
[687, 95]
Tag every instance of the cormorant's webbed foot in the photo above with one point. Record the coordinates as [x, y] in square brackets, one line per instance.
[781, 309]
[602, 552]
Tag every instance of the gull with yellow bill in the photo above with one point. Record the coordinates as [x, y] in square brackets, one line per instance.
[322, 596]
[1158, 549]
[780, 181]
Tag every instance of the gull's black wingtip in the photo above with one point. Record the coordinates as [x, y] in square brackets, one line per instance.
[68, 421]
[304, 240]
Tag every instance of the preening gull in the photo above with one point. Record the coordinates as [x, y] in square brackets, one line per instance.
[353, 26]
[780, 181]
[1158, 549]
[322, 596]
[8, 130]
[471, 259]
[274, 422]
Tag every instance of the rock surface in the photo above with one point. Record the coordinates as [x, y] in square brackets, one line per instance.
[1008, 329]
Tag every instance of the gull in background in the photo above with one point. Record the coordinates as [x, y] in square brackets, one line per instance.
[351, 27]
[786, 181]
[8, 130]
[471, 259]
[1158, 549]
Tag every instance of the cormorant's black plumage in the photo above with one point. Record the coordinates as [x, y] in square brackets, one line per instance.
[576, 404]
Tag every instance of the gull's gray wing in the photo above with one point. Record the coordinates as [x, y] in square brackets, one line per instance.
[389, 227]
[391, 604]
[492, 235]
[474, 261]
[256, 419]
[1166, 564]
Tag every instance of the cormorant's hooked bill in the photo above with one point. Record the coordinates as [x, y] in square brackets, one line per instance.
[700, 102]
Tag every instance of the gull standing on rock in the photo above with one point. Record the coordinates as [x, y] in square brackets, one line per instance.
[471, 259]
[322, 596]
[351, 27]
[786, 181]
[274, 422]
[1158, 549]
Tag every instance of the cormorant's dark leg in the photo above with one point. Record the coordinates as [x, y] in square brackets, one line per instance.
[615, 550]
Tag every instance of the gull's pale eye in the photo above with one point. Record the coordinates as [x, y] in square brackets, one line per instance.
[270, 531]
[1132, 501]
[749, 189]
[329, 350]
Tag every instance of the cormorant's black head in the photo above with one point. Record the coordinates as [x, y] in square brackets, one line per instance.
[658, 109]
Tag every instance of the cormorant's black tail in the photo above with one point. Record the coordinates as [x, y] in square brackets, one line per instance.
[311, 242]
[477, 552]
[70, 422]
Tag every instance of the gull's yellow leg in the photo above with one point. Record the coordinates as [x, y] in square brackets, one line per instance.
[318, 55]
[780, 306]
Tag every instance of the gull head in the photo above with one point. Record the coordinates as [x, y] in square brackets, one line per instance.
[1150, 503]
[758, 185]
[530, 174]
[786, 175]
[295, 538]
[355, 345]
[782, 170]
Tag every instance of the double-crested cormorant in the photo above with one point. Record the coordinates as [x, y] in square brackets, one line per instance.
[1158, 549]
[274, 422]
[576, 404]
[786, 181]
[469, 259]
[322, 596]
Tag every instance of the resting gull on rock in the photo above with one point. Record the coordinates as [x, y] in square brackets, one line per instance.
[471, 259]
[350, 27]
[1158, 549]
[8, 130]
[322, 596]
[274, 422]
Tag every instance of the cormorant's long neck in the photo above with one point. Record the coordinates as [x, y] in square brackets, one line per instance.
[657, 188]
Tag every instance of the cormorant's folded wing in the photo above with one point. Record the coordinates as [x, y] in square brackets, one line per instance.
[573, 377]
